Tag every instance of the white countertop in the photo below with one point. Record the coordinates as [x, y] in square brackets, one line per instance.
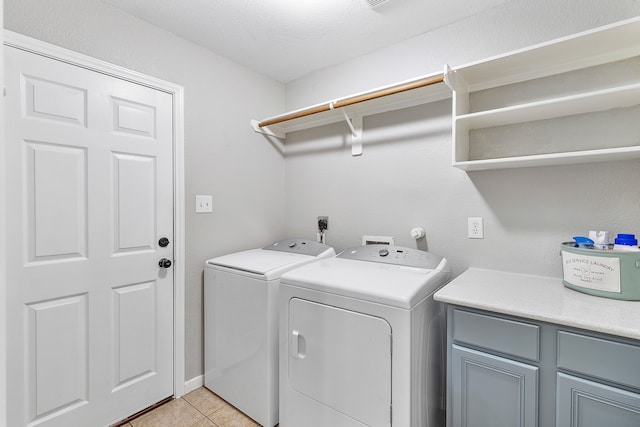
[541, 298]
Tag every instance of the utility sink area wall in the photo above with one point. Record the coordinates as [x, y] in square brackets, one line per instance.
[404, 178]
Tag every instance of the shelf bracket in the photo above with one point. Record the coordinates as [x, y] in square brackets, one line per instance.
[356, 142]
[269, 131]
[450, 77]
[355, 124]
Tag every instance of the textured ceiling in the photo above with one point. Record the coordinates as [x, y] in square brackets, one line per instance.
[287, 39]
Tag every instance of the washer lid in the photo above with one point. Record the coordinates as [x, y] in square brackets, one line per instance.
[299, 246]
[270, 264]
[388, 284]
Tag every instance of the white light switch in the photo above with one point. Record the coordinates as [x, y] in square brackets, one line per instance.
[204, 204]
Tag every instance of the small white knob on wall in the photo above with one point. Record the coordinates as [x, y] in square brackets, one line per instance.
[417, 233]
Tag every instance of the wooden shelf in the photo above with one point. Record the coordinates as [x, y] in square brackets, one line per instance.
[422, 90]
[598, 47]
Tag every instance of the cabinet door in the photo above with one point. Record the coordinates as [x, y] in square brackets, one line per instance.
[583, 403]
[491, 391]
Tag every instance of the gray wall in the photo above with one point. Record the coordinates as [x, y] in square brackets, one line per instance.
[405, 179]
[223, 156]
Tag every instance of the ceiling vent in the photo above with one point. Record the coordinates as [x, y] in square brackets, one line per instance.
[375, 3]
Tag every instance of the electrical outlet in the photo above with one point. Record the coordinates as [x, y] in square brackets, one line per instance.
[476, 229]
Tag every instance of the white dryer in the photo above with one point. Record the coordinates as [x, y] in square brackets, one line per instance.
[362, 341]
[241, 323]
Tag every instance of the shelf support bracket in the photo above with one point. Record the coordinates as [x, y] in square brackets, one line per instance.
[354, 131]
[356, 142]
[265, 130]
[450, 77]
[355, 125]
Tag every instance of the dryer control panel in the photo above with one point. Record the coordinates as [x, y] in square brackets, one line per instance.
[299, 246]
[396, 255]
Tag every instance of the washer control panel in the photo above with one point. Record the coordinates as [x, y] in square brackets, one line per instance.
[299, 246]
[396, 255]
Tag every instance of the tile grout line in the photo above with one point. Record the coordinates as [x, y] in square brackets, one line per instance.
[199, 411]
[209, 415]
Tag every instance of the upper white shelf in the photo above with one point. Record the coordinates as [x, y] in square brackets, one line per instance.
[594, 47]
[600, 100]
[489, 138]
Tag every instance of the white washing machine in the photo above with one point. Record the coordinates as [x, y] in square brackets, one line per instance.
[362, 341]
[241, 323]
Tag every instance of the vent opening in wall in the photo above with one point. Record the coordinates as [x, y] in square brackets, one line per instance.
[374, 3]
[377, 240]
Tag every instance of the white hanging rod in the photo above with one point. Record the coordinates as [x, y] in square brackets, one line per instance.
[427, 81]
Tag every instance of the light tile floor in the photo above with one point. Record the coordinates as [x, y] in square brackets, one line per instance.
[200, 408]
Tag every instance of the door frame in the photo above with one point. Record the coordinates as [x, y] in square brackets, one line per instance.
[3, 277]
[177, 92]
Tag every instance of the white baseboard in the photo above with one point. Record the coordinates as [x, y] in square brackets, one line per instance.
[193, 384]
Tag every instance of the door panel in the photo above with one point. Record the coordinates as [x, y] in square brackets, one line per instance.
[90, 309]
[56, 231]
[134, 346]
[134, 118]
[54, 101]
[492, 391]
[58, 349]
[584, 403]
[341, 359]
[134, 202]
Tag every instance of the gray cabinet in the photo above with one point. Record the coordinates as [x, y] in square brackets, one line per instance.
[590, 401]
[585, 403]
[514, 372]
[492, 391]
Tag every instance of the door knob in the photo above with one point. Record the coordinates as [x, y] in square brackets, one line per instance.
[164, 263]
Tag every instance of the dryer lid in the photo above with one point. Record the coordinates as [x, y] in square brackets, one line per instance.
[388, 284]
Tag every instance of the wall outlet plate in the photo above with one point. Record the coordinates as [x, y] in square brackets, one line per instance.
[475, 228]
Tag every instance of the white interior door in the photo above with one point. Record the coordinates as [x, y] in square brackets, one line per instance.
[90, 311]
